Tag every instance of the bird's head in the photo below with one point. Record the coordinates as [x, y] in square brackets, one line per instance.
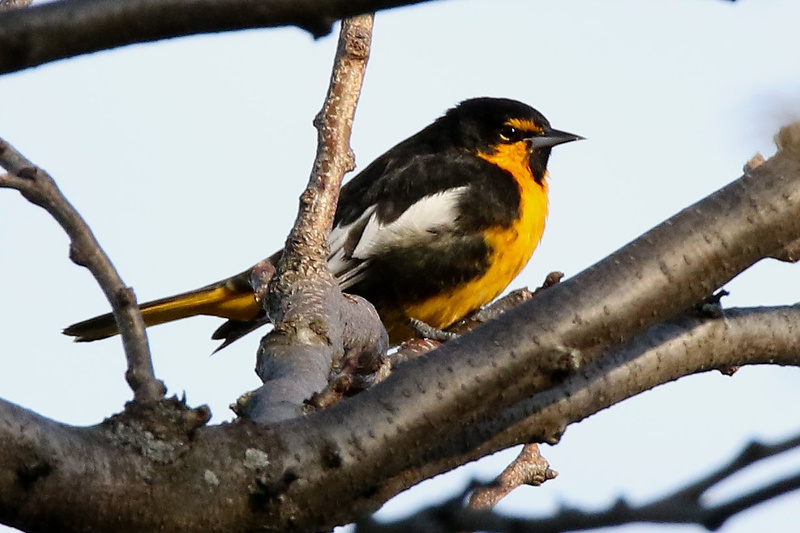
[506, 131]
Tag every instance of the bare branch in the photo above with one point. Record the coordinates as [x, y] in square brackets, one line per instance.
[676, 348]
[684, 506]
[249, 466]
[167, 478]
[682, 346]
[39, 188]
[316, 326]
[334, 123]
[62, 29]
[529, 468]
[789, 253]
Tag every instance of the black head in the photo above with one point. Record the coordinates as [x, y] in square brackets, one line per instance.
[491, 125]
[481, 124]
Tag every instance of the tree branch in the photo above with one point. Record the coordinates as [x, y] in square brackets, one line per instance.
[170, 478]
[294, 475]
[528, 468]
[684, 506]
[685, 345]
[316, 326]
[181, 479]
[668, 351]
[68, 28]
[39, 188]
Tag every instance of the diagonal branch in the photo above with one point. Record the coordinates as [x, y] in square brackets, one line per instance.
[68, 28]
[685, 345]
[39, 188]
[666, 352]
[243, 464]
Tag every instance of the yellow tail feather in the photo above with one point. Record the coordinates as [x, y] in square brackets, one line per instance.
[232, 298]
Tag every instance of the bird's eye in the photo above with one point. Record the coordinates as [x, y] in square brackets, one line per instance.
[510, 134]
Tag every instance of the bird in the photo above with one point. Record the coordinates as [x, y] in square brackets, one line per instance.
[429, 232]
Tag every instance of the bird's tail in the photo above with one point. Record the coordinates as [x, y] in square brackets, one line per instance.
[232, 298]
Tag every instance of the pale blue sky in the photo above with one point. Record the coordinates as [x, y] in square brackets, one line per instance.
[187, 158]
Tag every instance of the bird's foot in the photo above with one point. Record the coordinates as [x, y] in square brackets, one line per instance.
[427, 331]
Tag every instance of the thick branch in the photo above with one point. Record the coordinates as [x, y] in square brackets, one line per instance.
[682, 346]
[68, 28]
[39, 188]
[118, 477]
[182, 482]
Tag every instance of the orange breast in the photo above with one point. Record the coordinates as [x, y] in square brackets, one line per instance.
[511, 248]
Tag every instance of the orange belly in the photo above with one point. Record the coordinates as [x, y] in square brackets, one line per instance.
[511, 248]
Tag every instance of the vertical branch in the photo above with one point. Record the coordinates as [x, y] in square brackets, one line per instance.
[316, 328]
[39, 188]
[334, 123]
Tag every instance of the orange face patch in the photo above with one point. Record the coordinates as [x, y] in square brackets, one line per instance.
[513, 158]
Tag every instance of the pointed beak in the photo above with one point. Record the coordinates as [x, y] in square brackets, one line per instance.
[552, 138]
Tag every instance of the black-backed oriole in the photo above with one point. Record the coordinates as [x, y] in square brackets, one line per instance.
[433, 229]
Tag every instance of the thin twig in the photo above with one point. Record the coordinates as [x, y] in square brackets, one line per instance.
[39, 188]
[335, 158]
[684, 506]
[529, 468]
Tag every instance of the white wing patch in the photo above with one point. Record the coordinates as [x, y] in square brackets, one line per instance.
[421, 222]
[340, 260]
[339, 237]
